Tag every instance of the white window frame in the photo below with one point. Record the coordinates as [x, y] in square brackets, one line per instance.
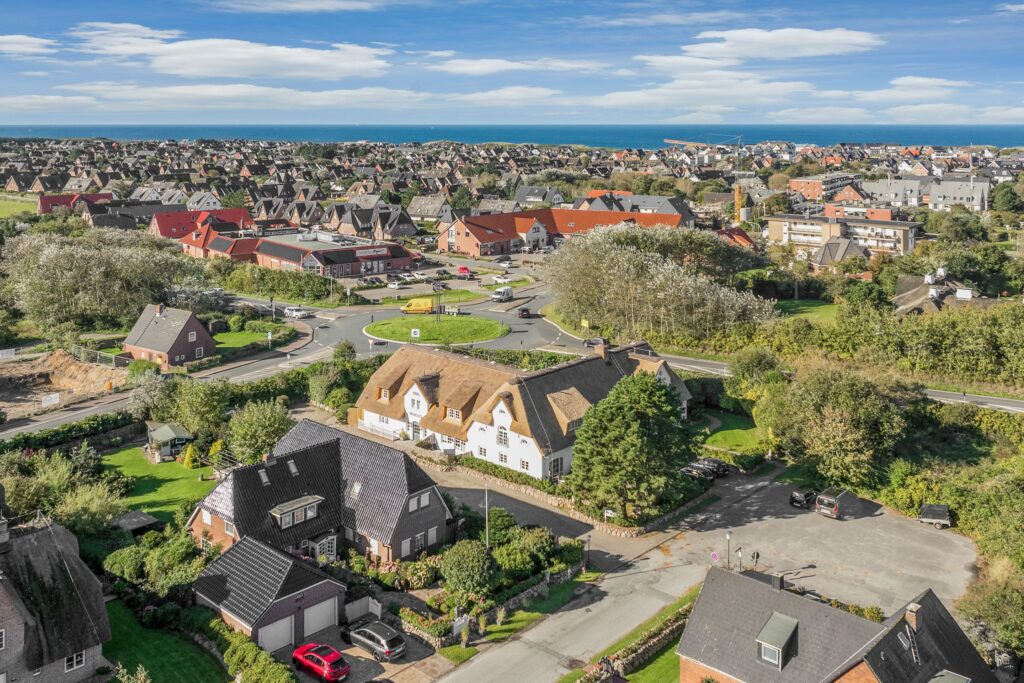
[772, 649]
[382, 419]
[432, 536]
[311, 511]
[192, 336]
[454, 414]
[229, 528]
[524, 465]
[75, 661]
[385, 394]
[205, 543]
[207, 518]
[425, 499]
[199, 352]
[483, 452]
[459, 444]
[286, 520]
[413, 504]
[3, 638]
[406, 547]
[503, 458]
[502, 436]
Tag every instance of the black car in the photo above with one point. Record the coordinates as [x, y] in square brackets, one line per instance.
[710, 469]
[698, 473]
[524, 312]
[504, 258]
[802, 499]
[719, 467]
[377, 638]
[441, 272]
[595, 341]
[393, 277]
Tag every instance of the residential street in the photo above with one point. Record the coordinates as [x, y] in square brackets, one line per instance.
[875, 557]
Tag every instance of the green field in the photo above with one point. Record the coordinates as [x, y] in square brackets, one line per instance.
[10, 207]
[236, 340]
[168, 657]
[736, 433]
[521, 282]
[112, 350]
[664, 667]
[451, 329]
[815, 310]
[159, 489]
[451, 296]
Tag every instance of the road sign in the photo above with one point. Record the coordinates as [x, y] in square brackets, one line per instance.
[585, 324]
[51, 399]
[714, 557]
[414, 333]
[8, 353]
[608, 514]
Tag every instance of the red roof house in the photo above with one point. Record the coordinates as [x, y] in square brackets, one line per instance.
[176, 224]
[49, 202]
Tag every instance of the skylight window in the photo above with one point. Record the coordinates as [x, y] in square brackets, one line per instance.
[356, 487]
[292, 468]
[264, 478]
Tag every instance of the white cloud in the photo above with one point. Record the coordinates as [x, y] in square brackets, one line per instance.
[26, 46]
[783, 43]
[204, 96]
[289, 6]
[1002, 115]
[912, 89]
[821, 115]
[928, 113]
[35, 74]
[701, 91]
[228, 58]
[511, 96]
[47, 103]
[706, 114]
[485, 67]
[439, 54]
[1012, 7]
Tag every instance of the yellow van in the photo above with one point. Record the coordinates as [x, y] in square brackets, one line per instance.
[423, 305]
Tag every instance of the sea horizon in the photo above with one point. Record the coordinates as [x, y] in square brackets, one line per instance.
[647, 136]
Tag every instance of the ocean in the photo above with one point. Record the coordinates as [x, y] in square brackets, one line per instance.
[616, 136]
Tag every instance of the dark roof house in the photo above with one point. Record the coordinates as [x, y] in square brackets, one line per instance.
[168, 336]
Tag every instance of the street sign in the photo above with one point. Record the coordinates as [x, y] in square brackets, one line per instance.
[51, 399]
[8, 353]
[585, 324]
[414, 333]
[714, 557]
[608, 514]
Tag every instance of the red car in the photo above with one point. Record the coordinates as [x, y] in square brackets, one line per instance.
[322, 661]
[463, 270]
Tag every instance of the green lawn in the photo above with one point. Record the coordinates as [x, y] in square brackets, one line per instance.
[521, 282]
[450, 296]
[168, 657]
[736, 432]
[456, 654]
[10, 207]
[450, 330]
[815, 310]
[159, 489]
[558, 596]
[664, 667]
[112, 350]
[236, 340]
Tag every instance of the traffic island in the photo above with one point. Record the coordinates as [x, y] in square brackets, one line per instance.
[450, 329]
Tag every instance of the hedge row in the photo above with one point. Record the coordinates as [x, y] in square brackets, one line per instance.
[243, 657]
[72, 431]
[505, 473]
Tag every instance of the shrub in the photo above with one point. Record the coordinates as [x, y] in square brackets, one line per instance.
[137, 368]
[514, 561]
[126, 563]
[505, 473]
[417, 575]
[500, 616]
[435, 626]
[66, 433]
[467, 567]
[236, 323]
[261, 326]
[191, 459]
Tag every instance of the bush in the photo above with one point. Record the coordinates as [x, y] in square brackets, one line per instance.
[514, 561]
[262, 327]
[417, 575]
[66, 433]
[236, 323]
[436, 626]
[467, 567]
[126, 563]
[505, 473]
[137, 368]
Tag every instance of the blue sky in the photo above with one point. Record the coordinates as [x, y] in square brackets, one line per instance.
[452, 61]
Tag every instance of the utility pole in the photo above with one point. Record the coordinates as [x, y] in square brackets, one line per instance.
[487, 517]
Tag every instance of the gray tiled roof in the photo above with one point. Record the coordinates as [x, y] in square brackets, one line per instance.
[158, 328]
[251, 575]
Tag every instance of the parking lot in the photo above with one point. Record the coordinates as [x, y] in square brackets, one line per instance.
[364, 667]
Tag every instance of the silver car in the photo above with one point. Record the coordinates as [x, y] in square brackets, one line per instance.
[380, 640]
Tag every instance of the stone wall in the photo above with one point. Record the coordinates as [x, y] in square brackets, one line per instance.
[563, 504]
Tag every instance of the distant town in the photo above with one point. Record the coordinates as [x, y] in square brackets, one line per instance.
[275, 411]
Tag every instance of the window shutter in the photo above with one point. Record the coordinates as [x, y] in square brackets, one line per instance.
[406, 547]
[432, 535]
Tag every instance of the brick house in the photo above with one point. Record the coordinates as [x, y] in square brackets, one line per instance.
[53, 621]
[322, 488]
[749, 627]
[177, 224]
[274, 598]
[168, 336]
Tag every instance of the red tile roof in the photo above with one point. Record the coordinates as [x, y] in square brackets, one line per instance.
[49, 202]
[559, 222]
[177, 224]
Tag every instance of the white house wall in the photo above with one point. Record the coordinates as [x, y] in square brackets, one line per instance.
[483, 443]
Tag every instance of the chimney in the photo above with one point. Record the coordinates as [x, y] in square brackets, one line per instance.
[911, 615]
[159, 309]
[5, 536]
[602, 350]
[778, 583]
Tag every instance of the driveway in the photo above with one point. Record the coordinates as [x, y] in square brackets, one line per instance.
[874, 557]
[364, 668]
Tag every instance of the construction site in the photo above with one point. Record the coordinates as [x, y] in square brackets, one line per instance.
[52, 380]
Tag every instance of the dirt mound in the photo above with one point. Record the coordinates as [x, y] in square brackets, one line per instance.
[23, 384]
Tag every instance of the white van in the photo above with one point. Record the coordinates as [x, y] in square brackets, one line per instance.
[296, 312]
[502, 294]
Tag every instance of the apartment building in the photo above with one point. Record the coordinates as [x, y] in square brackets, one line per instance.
[824, 185]
[808, 233]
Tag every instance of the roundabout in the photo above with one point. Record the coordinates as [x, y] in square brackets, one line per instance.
[450, 329]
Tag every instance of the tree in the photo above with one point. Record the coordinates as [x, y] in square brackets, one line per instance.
[344, 351]
[461, 198]
[255, 429]
[630, 448]
[514, 561]
[149, 390]
[1005, 198]
[89, 509]
[467, 567]
[778, 203]
[867, 294]
[200, 406]
[503, 526]
[778, 181]
[749, 370]
[234, 200]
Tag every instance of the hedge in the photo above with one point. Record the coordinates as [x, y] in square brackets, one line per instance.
[72, 431]
[438, 627]
[505, 473]
[242, 656]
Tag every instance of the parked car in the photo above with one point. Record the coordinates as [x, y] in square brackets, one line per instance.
[464, 270]
[936, 515]
[393, 277]
[504, 258]
[380, 640]
[502, 294]
[524, 312]
[710, 469]
[698, 473]
[375, 280]
[832, 501]
[595, 341]
[322, 661]
[802, 498]
[441, 272]
[408, 277]
[420, 274]
[296, 312]
[719, 467]
[378, 342]
[502, 279]
[395, 284]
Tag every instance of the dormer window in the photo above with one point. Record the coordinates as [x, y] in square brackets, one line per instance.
[356, 488]
[770, 655]
[776, 641]
[454, 414]
[385, 394]
[575, 424]
[296, 511]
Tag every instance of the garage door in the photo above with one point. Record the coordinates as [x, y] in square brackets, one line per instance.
[276, 635]
[320, 616]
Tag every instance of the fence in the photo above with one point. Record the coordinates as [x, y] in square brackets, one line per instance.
[361, 607]
[98, 357]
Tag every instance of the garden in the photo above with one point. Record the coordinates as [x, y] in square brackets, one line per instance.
[158, 488]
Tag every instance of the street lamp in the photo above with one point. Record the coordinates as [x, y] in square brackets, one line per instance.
[728, 549]
[586, 561]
